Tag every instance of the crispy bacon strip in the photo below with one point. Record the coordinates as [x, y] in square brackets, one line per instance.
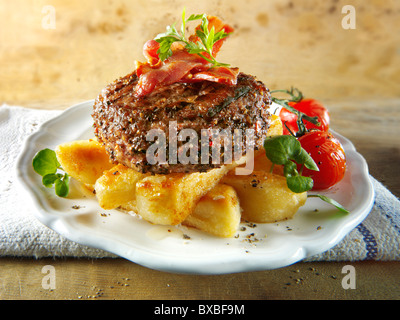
[174, 69]
[150, 49]
[219, 74]
[181, 66]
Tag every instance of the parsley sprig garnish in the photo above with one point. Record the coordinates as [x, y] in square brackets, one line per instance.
[45, 163]
[207, 39]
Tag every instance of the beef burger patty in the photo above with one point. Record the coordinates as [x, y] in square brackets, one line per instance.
[122, 121]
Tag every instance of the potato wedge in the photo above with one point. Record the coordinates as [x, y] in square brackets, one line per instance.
[217, 213]
[117, 186]
[264, 197]
[169, 199]
[84, 160]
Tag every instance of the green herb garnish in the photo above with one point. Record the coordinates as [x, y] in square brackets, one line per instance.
[330, 201]
[286, 150]
[207, 39]
[45, 163]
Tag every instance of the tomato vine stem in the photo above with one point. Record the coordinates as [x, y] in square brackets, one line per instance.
[295, 96]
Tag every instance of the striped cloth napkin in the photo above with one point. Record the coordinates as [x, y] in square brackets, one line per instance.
[22, 235]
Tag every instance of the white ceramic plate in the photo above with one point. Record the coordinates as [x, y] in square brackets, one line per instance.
[181, 249]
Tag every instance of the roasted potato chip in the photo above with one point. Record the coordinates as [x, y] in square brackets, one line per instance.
[117, 186]
[218, 212]
[170, 199]
[84, 160]
[264, 197]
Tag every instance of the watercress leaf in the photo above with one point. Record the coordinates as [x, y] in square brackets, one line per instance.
[45, 162]
[279, 149]
[299, 184]
[304, 158]
[275, 151]
[62, 186]
[290, 169]
[49, 179]
[330, 201]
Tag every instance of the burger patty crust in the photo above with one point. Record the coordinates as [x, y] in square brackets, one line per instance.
[122, 121]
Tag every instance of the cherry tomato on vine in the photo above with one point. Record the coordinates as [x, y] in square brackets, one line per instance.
[311, 108]
[328, 154]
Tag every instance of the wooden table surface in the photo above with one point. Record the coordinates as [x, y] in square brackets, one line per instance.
[355, 72]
